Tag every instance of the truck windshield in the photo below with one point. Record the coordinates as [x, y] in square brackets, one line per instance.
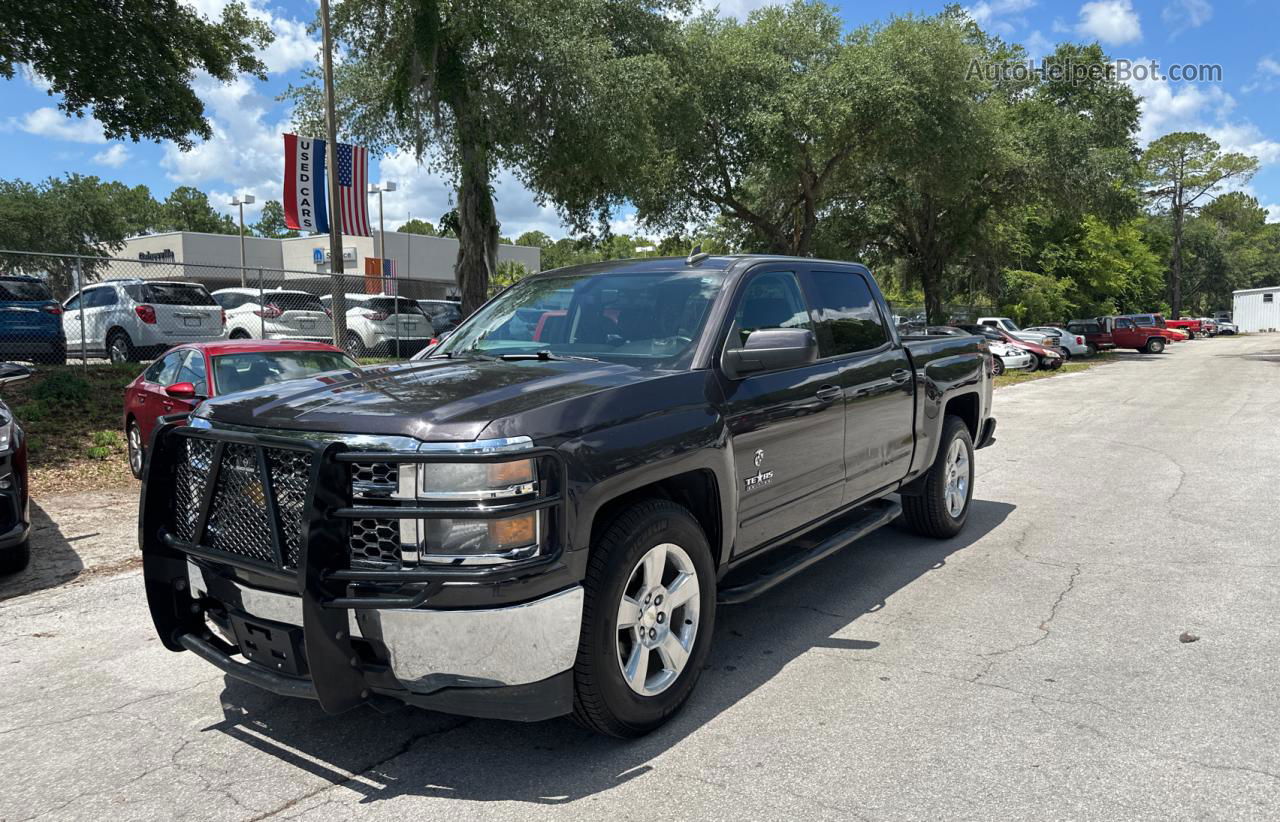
[649, 320]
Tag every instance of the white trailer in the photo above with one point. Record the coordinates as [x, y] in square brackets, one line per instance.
[1256, 309]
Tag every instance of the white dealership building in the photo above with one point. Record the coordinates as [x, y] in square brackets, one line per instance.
[423, 264]
[1256, 309]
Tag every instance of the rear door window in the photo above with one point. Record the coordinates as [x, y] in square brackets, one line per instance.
[293, 301]
[163, 371]
[846, 316]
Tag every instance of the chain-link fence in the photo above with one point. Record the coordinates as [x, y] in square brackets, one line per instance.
[55, 308]
[914, 314]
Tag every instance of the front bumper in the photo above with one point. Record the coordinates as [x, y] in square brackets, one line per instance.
[481, 640]
[511, 662]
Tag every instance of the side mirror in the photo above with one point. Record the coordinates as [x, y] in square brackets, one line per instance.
[181, 391]
[12, 372]
[770, 349]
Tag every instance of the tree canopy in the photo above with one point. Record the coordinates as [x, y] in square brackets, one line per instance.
[131, 63]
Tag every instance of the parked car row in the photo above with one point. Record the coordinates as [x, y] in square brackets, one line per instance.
[132, 319]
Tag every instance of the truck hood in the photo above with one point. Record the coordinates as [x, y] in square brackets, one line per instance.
[432, 400]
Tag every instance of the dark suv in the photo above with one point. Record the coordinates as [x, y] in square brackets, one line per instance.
[30, 322]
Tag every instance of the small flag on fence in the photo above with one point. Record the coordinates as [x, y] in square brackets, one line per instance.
[304, 186]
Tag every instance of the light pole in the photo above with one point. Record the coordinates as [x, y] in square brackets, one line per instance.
[379, 188]
[242, 202]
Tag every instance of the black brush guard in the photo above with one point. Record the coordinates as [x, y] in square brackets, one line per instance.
[328, 586]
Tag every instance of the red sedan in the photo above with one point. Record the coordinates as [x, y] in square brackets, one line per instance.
[186, 375]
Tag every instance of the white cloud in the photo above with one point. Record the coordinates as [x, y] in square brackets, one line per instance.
[36, 81]
[1246, 138]
[245, 153]
[1266, 77]
[732, 8]
[425, 194]
[1111, 21]
[292, 48]
[1181, 15]
[49, 122]
[1273, 213]
[115, 156]
[992, 14]
[1037, 45]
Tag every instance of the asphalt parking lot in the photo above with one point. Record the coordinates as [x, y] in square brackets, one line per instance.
[1031, 668]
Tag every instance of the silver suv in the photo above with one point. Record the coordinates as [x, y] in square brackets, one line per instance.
[132, 320]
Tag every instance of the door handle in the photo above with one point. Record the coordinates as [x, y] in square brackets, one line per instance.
[829, 393]
[900, 375]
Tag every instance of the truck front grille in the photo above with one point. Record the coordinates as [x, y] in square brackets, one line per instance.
[239, 521]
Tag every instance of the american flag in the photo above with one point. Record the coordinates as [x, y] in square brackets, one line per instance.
[353, 179]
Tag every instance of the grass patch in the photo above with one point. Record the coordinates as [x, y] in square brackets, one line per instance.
[1074, 366]
[72, 417]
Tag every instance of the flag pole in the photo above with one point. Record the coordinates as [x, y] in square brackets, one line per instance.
[339, 304]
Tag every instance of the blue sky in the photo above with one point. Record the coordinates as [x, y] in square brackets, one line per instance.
[246, 155]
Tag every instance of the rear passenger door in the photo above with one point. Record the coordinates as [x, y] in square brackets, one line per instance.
[874, 375]
[786, 426]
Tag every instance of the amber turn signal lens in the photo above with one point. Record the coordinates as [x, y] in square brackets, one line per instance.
[514, 532]
[503, 474]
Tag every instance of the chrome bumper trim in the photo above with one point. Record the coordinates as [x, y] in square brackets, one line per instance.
[429, 650]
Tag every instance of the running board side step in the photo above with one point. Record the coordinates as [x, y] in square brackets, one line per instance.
[781, 563]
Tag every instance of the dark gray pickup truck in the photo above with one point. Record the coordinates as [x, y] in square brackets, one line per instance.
[541, 515]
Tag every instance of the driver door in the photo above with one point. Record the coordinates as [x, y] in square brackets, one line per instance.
[786, 426]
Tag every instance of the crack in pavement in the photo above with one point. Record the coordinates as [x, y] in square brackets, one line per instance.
[1043, 627]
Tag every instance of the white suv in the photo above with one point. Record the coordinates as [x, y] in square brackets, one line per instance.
[132, 320]
[380, 325]
[274, 315]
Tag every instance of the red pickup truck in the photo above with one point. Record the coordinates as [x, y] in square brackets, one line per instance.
[1125, 332]
[1192, 328]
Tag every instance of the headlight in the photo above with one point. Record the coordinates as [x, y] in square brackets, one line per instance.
[474, 480]
[472, 541]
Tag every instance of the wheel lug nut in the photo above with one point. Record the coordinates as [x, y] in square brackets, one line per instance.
[658, 600]
[653, 633]
[662, 618]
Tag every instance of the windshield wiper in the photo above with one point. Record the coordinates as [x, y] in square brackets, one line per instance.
[543, 355]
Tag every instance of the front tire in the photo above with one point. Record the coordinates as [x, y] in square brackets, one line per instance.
[1155, 345]
[646, 621]
[355, 346]
[942, 507]
[133, 436]
[997, 367]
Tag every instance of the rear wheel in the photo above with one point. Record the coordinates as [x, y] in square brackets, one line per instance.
[133, 436]
[240, 334]
[1091, 349]
[1191, 335]
[942, 507]
[646, 622]
[997, 366]
[119, 348]
[1066, 355]
[1155, 345]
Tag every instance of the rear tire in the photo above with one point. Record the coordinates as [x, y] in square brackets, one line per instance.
[120, 348]
[649, 554]
[997, 367]
[1091, 350]
[241, 334]
[1155, 345]
[15, 559]
[942, 507]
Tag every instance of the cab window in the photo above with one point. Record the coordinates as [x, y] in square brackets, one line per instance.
[846, 315]
[771, 300]
[1124, 323]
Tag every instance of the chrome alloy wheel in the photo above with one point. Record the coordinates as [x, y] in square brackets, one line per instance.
[957, 489]
[658, 615]
[135, 449]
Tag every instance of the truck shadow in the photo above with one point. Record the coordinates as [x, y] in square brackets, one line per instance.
[53, 559]
[419, 753]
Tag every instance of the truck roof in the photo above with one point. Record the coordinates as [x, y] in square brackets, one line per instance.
[650, 265]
